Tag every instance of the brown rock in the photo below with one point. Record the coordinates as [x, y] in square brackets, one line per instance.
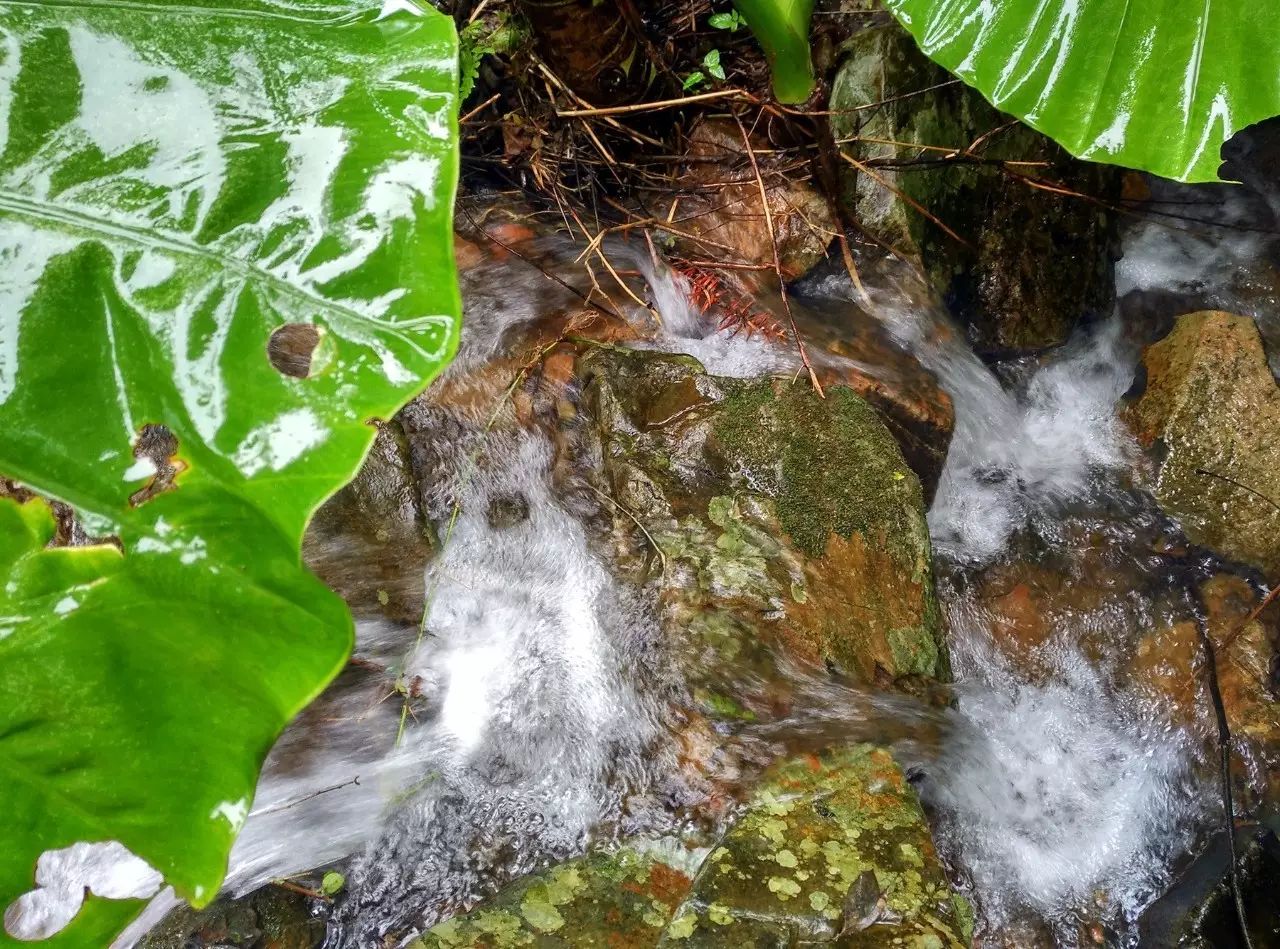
[724, 207]
[1211, 410]
[1169, 665]
[370, 541]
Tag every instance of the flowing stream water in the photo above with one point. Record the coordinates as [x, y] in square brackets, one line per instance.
[1058, 795]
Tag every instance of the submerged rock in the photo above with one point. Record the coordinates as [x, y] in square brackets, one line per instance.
[370, 541]
[1211, 409]
[1199, 912]
[1033, 260]
[1168, 665]
[601, 901]
[269, 918]
[830, 849]
[762, 508]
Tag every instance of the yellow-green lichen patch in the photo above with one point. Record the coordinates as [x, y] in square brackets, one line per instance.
[816, 827]
[683, 926]
[618, 899]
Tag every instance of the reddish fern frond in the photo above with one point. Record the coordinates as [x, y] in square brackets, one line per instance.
[738, 311]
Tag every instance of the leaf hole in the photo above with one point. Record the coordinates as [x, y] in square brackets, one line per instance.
[156, 453]
[292, 347]
[64, 878]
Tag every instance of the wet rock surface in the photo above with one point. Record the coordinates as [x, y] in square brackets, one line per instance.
[1199, 912]
[721, 212]
[370, 541]
[270, 918]
[1026, 260]
[602, 901]
[767, 512]
[1210, 411]
[1169, 665]
[831, 849]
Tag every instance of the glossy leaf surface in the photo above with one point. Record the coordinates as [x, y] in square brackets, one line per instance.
[175, 184]
[1152, 84]
[782, 29]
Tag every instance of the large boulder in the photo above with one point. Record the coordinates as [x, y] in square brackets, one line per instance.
[831, 849]
[607, 900]
[1211, 412]
[766, 515]
[1035, 258]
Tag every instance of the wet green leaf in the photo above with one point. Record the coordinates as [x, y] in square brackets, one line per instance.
[1151, 84]
[727, 21]
[693, 80]
[332, 883]
[176, 183]
[711, 62]
[782, 29]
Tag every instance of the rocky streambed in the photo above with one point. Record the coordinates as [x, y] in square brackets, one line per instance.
[660, 645]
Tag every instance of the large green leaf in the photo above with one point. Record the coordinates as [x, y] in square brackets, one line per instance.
[1151, 84]
[176, 182]
[782, 29]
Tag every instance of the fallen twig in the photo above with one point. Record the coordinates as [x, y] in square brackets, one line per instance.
[884, 182]
[653, 106]
[777, 261]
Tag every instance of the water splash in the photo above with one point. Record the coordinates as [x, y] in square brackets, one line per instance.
[1020, 449]
[1060, 793]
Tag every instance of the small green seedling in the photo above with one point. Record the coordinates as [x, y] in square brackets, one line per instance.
[730, 21]
[711, 63]
[332, 883]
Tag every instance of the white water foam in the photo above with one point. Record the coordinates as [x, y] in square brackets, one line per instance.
[1017, 451]
[1059, 794]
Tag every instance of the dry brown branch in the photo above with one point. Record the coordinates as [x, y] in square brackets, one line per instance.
[654, 106]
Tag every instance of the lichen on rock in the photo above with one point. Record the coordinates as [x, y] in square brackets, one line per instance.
[762, 508]
[831, 848]
[607, 899]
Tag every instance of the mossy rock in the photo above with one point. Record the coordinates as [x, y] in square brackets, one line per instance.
[1211, 410]
[779, 517]
[1034, 259]
[607, 900]
[832, 848]
[269, 918]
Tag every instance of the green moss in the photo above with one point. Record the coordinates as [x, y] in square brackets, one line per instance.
[830, 464]
[915, 651]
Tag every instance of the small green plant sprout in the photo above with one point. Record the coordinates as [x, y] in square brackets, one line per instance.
[332, 883]
[711, 63]
[730, 21]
